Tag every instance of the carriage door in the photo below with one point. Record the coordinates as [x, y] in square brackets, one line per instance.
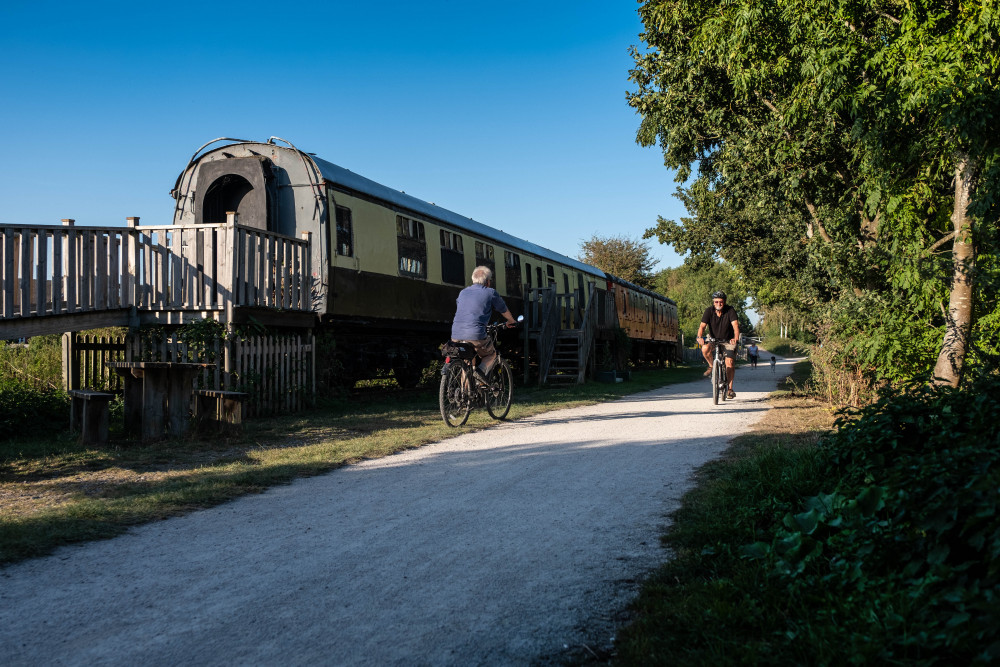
[241, 185]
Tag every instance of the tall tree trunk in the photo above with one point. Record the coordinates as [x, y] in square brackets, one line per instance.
[951, 359]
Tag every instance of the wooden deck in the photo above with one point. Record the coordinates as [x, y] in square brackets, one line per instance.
[68, 278]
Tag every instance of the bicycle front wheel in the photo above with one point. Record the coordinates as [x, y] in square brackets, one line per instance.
[500, 392]
[715, 383]
[453, 396]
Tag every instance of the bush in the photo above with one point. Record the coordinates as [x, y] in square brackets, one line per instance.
[27, 411]
[880, 547]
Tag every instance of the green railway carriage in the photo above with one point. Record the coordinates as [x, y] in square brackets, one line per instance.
[386, 266]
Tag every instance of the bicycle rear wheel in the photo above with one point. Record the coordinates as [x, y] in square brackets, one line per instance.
[500, 392]
[453, 396]
[715, 383]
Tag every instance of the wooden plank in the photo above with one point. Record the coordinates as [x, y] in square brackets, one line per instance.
[58, 272]
[117, 272]
[9, 277]
[41, 273]
[130, 265]
[286, 275]
[176, 299]
[253, 272]
[271, 273]
[87, 271]
[25, 282]
[100, 271]
[163, 297]
[72, 271]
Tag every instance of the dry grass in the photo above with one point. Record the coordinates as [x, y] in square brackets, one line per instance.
[54, 493]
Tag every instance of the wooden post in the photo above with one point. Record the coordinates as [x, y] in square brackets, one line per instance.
[305, 289]
[130, 261]
[67, 360]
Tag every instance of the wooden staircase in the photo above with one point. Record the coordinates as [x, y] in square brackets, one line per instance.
[560, 354]
[565, 363]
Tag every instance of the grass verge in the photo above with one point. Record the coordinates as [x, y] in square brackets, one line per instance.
[734, 503]
[873, 544]
[53, 492]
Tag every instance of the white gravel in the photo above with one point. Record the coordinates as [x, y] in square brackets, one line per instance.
[511, 545]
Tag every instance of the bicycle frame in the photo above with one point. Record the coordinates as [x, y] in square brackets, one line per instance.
[720, 376]
[464, 386]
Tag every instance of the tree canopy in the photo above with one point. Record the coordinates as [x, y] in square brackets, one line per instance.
[691, 289]
[841, 156]
[620, 256]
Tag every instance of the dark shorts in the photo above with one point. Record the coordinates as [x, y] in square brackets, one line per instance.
[484, 348]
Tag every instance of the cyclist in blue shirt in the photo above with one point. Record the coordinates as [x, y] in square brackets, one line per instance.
[476, 304]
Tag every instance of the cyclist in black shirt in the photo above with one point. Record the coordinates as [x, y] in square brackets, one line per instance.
[723, 324]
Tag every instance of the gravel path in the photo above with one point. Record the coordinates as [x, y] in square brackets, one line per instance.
[505, 546]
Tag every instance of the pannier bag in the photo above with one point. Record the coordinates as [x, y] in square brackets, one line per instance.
[460, 350]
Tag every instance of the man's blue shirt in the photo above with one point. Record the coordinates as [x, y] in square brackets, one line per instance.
[476, 304]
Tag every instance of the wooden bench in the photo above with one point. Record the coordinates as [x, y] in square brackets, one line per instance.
[88, 413]
[221, 411]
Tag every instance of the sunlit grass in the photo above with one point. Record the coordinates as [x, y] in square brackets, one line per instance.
[54, 492]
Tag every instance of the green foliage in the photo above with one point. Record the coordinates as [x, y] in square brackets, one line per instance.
[620, 256]
[817, 144]
[32, 402]
[28, 411]
[878, 547]
[691, 286]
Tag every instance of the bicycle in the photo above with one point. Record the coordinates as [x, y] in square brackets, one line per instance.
[463, 385]
[720, 379]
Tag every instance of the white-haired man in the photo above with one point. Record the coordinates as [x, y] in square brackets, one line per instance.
[476, 304]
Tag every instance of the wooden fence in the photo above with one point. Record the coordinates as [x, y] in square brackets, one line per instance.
[277, 371]
[69, 270]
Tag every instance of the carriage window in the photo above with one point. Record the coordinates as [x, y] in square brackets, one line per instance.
[552, 275]
[527, 275]
[412, 247]
[484, 256]
[566, 283]
[512, 264]
[452, 258]
[538, 274]
[345, 232]
[583, 291]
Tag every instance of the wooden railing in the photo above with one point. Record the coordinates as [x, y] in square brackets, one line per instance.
[278, 372]
[588, 326]
[68, 270]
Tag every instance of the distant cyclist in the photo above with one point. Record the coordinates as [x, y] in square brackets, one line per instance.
[724, 325]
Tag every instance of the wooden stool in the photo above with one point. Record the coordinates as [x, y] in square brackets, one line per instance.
[88, 412]
[221, 411]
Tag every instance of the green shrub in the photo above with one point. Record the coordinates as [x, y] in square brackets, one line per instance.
[881, 546]
[27, 411]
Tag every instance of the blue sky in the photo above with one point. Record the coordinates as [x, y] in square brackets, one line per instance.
[511, 113]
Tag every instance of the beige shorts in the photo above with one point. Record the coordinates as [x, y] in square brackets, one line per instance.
[730, 349]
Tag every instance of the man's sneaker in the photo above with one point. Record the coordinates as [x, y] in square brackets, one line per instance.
[731, 394]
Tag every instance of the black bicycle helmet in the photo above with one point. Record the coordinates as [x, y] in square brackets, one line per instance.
[719, 294]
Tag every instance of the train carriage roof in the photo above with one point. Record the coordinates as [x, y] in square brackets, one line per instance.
[641, 290]
[351, 181]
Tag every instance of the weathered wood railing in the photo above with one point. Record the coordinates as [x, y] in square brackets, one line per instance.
[67, 270]
[278, 371]
[588, 326]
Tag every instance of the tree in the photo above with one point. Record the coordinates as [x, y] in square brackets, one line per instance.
[620, 256]
[820, 140]
[691, 287]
